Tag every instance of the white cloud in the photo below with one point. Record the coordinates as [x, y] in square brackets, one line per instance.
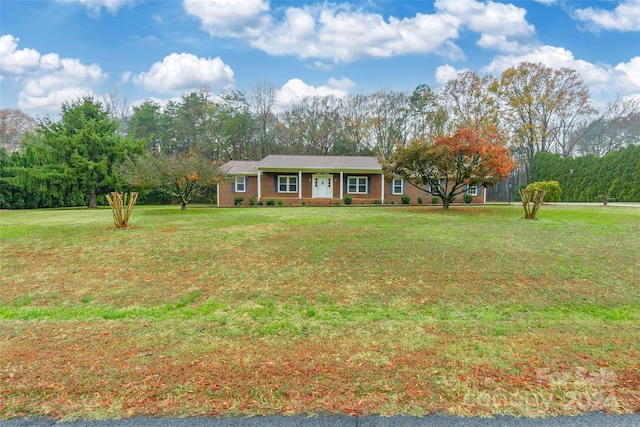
[341, 32]
[229, 18]
[183, 72]
[338, 33]
[444, 73]
[625, 17]
[624, 78]
[48, 91]
[629, 74]
[295, 90]
[18, 62]
[47, 80]
[502, 27]
[94, 7]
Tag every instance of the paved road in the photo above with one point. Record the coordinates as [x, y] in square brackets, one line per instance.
[589, 420]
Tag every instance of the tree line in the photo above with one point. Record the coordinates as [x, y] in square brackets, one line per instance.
[73, 161]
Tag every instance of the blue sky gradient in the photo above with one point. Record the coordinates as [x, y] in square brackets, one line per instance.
[56, 51]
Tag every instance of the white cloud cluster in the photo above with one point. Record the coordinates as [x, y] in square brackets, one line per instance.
[47, 80]
[183, 72]
[229, 18]
[622, 78]
[295, 90]
[339, 32]
[625, 17]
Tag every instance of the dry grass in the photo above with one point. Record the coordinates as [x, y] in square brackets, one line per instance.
[319, 310]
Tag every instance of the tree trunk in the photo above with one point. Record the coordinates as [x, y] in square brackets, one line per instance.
[93, 200]
[445, 203]
[184, 205]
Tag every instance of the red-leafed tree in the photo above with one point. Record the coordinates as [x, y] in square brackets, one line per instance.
[446, 167]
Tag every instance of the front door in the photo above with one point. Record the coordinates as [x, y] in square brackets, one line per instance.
[322, 186]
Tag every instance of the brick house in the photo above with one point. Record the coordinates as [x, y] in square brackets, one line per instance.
[318, 180]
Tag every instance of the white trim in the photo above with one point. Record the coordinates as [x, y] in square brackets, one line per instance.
[382, 189]
[358, 184]
[393, 187]
[259, 185]
[341, 185]
[299, 184]
[218, 194]
[288, 184]
[484, 195]
[243, 183]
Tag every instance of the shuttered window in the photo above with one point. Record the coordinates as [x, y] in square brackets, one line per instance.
[357, 185]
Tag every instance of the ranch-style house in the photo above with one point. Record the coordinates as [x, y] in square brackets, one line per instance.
[318, 180]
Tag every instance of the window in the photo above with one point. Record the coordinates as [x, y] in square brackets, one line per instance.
[357, 184]
[241, 185]
[472, 191]
[396, 186]
[287, 184]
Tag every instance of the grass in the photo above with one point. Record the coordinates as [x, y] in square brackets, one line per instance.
[387, 310]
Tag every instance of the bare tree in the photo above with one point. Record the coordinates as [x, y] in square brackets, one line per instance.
[14, 124]
[539, 105]
[617, 126]
[262, 101]
[470, 101]
[389, 114]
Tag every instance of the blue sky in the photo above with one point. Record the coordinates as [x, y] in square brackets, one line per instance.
[59, 50]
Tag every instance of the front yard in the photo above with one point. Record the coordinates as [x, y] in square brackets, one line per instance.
[356, 310]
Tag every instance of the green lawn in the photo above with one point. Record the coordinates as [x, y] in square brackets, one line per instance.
[357, 310]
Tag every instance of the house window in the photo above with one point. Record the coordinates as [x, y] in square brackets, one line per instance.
[472, 191]
[241, 185]
[287, 184]
[396, 186]
[357, 184]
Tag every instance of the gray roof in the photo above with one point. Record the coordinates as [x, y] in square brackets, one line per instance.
[241, 167]
[320, 162]
[305, 163]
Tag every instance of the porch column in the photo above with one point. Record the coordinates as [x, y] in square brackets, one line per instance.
[218, 194]
[259, 185]
[341, 186]
[299, 184]
[382, 188]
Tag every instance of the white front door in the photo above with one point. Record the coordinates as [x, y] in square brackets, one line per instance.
[322, 186]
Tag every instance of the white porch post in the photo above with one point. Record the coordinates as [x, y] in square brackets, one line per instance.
[259, 185]
[299, 184]
[341, 185]
[484, 195]
[382, 188]
[218, 194]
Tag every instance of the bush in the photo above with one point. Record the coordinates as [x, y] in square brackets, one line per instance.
[260, 203]
[377, 202]
[252, 202]
[347, 200]
[405, 200]
[420, 201]
[271, 202]
[238, 200]
[468, 198]
[435, 200]
[279, 202]
[552, 189]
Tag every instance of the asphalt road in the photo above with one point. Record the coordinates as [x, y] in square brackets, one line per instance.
[588, 420]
